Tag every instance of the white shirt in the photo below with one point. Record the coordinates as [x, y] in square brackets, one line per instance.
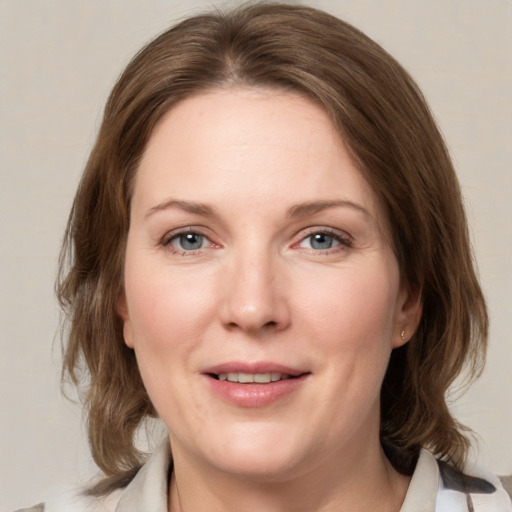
[427, 491]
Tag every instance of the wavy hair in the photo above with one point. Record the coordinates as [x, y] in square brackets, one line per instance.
[384, 120]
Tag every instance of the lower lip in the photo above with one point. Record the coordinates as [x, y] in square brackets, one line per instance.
[254, 395]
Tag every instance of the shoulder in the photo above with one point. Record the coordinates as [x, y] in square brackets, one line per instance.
[76, 500]
[472, 490]
[436, 486]
[146, 491]
[36, 508]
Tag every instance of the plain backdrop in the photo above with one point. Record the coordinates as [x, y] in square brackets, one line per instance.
[58, 61]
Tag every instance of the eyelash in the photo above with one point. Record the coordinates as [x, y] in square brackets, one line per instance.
[343, 240]
[175, 235]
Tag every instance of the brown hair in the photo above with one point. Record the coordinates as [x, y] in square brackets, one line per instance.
[384, 120]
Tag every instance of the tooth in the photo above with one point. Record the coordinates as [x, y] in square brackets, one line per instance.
[262, 378]
[245, 377]
[248, 378]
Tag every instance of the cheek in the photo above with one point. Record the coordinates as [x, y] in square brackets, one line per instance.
[167, 313]
[355, 308]
[164, 307]
[164, 323]
[352, 320]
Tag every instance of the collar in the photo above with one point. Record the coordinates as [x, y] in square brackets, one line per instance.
[148, 490]
[422, 492]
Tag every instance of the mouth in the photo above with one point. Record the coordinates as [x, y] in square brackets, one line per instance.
[251, 385]
[252, 378]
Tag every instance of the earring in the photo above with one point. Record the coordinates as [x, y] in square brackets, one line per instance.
[402, 335]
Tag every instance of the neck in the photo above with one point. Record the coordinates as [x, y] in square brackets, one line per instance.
[346, 482]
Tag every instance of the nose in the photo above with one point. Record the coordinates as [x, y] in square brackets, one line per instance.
[254, 295]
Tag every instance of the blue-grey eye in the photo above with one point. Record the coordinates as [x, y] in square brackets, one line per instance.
[320, 241]
[189, 241]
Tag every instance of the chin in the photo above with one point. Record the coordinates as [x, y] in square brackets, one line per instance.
[261, 452]
[260, 467]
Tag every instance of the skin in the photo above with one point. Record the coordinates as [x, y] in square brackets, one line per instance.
[258, 286]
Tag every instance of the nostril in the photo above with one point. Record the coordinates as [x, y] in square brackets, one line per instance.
[272, 324]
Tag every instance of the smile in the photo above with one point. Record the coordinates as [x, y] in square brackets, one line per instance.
[253, 378]
[258, 384]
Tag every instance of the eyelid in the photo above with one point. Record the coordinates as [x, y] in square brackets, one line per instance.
[166, 240]
[173, 233]
[344, 239]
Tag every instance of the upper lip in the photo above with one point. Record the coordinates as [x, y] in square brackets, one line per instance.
[256, 367]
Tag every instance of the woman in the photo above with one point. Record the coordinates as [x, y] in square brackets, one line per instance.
[268, 251]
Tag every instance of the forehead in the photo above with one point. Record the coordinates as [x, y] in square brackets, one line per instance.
[252, 147]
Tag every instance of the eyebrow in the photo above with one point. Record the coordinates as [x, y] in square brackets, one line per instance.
[295, 211]
[312, 207]
[187, 206]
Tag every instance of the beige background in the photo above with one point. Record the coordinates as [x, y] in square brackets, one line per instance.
[58, 60]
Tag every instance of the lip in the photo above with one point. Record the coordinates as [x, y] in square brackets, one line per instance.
[257, 367]
[254, 395]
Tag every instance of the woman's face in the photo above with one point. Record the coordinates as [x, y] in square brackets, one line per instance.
[262, 298]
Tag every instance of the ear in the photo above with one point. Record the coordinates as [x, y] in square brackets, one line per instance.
[408, 314]
[122, 311]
